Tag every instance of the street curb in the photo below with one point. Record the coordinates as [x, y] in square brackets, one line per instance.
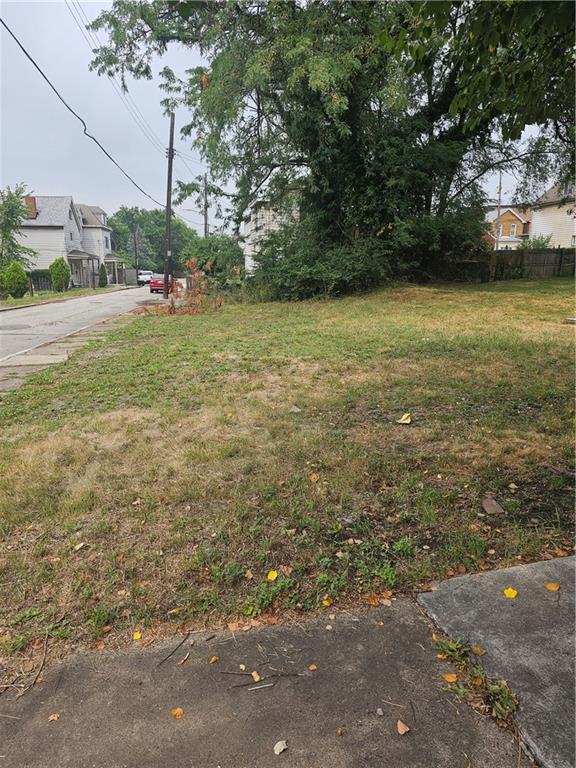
[62, 301]
[66, 335]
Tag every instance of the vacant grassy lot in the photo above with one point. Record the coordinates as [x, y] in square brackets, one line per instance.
[162, 471]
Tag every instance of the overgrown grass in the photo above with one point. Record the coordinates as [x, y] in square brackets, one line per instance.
[162, 471]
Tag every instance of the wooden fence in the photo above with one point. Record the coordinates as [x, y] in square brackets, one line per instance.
[527, 263]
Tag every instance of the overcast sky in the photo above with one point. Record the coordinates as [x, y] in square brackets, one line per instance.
[42, 144]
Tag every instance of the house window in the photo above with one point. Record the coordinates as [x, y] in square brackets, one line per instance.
[573, 241]
[107, 241]
[70, 214]
[498, 230]
[512, 230]
[71, 235]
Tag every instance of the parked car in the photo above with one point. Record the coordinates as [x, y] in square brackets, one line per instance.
[144, 276]
[157, 284]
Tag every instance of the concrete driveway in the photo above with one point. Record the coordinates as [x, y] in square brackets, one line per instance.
[29, 327]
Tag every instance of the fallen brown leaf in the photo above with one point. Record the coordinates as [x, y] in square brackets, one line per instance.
[401, 727]
[54, 717]
[552, 586]
[372, 599]
[450, 677]
[177, 713]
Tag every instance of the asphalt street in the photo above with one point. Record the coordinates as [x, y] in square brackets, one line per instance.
[29, 327]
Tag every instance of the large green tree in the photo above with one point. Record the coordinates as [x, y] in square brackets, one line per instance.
[13, 213]
[148, 227]
[382, 117]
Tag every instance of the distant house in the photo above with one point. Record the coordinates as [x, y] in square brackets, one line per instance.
[508, 229]
[56, 227]
[262, 221]
[96, 238]
[553, 215]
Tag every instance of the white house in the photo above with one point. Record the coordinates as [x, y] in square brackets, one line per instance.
[553, 215]
[56, 227]
[262, 220]
[96, 239]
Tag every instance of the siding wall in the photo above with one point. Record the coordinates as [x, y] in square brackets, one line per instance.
[94, 241]
[72, 235]
[555, 221]
[48, 242]
[262, 222]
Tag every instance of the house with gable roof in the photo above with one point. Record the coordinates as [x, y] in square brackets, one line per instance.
[509, 228]
[56, 227]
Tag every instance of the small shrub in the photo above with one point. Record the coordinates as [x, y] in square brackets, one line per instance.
[535, 243]
[102, 276]
[60, 274]
[14, 280]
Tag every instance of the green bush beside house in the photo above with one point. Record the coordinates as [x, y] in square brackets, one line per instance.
[102, 276]
[60, 275]
[14, 280]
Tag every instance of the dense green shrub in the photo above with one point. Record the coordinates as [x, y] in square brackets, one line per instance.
[535, 243]
[102, 276]
[441, 244]
[293, 265]
[14, 280]
[298, 263]
[60, 274]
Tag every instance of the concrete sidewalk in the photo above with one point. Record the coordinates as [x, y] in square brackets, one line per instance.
[28, 328]
[529, 642]
[114, 710]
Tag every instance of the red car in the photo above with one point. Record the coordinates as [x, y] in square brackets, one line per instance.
[157, 284]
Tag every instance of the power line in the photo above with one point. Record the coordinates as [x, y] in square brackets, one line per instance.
[124, 95]
[188, 221]
[127, 100]
[76, 115]
[94, 43]
[190, 157]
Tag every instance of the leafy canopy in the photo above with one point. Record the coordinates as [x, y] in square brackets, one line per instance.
[13, 213]
[381, 119]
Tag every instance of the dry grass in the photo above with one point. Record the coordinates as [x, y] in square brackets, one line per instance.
[159, 483]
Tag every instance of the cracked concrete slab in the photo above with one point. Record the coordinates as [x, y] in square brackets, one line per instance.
[529, 642]
[115, 708]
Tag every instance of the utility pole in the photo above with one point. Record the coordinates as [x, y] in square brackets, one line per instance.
[498, 225]
[206, 228]
[168, 252]
[135, 235]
